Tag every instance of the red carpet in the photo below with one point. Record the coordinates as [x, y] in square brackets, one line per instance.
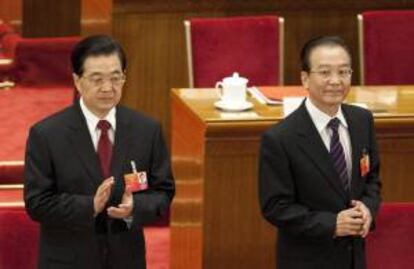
[158, 247]
[19, 236]
[19, 109]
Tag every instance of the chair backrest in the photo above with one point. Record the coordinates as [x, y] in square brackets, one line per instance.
[44, 62]
[251, 46]
[391, 244]
[9, 44]
[4, 30]
[386, 47]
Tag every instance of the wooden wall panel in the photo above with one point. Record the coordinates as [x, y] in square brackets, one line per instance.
[11, 12]
[153, 34]
[45, 18]
[396, 146]
[156, 59]
[96, 17]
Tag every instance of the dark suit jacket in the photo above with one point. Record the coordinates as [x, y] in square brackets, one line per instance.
[62, 174]
[300, 191]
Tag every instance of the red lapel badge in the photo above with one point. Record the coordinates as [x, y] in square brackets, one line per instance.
[364, 163]
[137, 180]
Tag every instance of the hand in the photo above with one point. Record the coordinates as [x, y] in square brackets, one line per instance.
[102, 195]
[124, 209]
[349, 222]
[366, 216]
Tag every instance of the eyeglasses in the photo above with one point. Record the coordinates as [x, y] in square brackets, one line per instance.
[344, 73]
[99, 81]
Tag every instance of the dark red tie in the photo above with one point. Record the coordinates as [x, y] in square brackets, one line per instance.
[105, 148]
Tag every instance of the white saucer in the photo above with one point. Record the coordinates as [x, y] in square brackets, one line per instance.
[233, 106]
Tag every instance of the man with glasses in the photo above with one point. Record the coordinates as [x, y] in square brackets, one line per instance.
[77, 163]
[319, 168]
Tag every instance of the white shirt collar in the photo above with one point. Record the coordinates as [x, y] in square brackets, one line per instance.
[321, 119]
[93, 120]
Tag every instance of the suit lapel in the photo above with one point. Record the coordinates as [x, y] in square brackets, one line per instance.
[82, 143]
[120, 143]
[354, 130]
[119, 155]
[312, 145]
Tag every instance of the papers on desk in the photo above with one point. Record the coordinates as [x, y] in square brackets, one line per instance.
[363, 105]
[275, 95]
[290, 104]
[261, 97]
[239, 115]
[291, 96]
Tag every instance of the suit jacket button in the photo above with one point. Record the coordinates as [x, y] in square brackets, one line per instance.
[349, 247]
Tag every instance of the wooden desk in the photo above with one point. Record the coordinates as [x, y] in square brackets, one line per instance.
[216, 220]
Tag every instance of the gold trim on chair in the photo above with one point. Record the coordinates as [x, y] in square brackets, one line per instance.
[12, 204]
[12, 163]
[361, 48]
[11, 186]
[281, 50]
[187, 26]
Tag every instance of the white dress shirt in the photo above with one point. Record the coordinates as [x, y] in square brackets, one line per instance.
[92, 122]
[321, 120]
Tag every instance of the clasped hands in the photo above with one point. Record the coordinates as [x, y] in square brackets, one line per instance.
[353, 221]
[123, 210]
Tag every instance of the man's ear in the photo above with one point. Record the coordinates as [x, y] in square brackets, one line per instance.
[76, 81]
[304, 77]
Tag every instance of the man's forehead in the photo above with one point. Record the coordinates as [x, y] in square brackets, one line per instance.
[102, 64]
[329, 56]
[330, 64]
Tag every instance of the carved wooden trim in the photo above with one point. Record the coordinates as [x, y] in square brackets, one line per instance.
[133, 6]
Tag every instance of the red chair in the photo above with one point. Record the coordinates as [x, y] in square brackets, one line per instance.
[5, 29]
[386, 47]
[11, 172]
[19, 237]
[251, 46]
[9, 44]
[44, 62]
[391, 244]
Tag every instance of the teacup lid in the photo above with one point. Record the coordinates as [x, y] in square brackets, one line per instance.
[235, 79]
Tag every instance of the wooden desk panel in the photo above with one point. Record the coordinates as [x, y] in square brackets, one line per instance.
[216, 220]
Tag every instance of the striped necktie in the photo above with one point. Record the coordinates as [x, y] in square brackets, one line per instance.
[337, 153]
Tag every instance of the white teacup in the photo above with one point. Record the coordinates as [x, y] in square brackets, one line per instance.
[232, 90]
